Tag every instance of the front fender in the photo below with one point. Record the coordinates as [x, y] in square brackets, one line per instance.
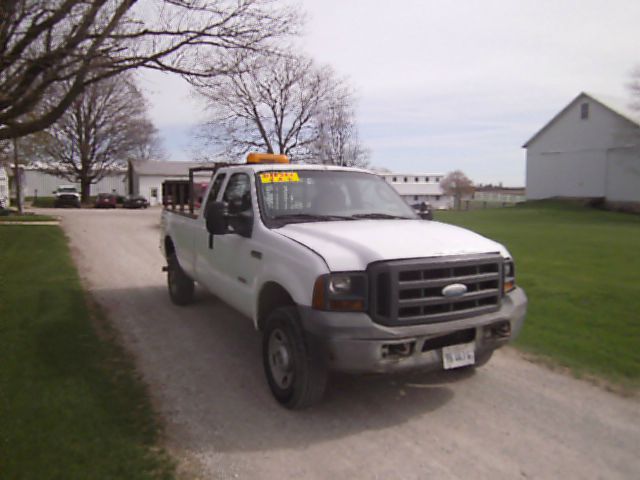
[293, 267]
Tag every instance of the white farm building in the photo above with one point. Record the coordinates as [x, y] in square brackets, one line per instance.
[4, 188]
[149, 176]
[147, 180]
[419, 187]
[38, 183]
[590, 149]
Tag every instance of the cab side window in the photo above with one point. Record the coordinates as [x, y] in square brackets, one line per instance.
[215, 188]
[238, 193]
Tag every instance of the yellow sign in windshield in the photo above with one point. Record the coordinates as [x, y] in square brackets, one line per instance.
[279, 177]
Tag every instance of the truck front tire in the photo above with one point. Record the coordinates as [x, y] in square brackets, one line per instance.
[181, 287]
[483, 358]
[294, 368]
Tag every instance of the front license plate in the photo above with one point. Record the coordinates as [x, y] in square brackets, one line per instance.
[456, 356]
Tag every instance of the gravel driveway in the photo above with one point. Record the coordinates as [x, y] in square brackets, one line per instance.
[510, 419]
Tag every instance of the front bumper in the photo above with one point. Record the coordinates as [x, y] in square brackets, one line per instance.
[352, 342]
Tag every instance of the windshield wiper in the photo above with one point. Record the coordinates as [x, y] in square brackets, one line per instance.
[310, 217]
[381, 216]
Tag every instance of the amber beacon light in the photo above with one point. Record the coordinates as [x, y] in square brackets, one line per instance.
[266, 158]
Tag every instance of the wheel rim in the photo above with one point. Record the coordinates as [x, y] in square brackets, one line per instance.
[280, 360]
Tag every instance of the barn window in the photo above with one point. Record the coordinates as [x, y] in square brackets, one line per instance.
[584, 111]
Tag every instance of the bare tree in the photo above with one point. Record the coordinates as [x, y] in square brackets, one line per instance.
[634, 89]
[269, 103]
[457, 184]
[104, 128]
[337, 141]
[51, 50]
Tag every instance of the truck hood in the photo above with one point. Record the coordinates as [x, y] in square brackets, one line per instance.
[352, 245]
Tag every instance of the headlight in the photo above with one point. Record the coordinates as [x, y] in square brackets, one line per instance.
[339, 284]
[341, 292]
[509, 276]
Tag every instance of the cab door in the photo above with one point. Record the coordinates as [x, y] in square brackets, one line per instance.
[235, 258]
[204, 244]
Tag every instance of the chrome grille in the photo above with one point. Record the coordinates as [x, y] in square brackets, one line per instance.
[408, 292]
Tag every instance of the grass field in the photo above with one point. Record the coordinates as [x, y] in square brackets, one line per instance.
[580, 268]
[71, 406]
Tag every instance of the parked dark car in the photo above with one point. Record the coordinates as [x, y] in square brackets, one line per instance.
[105, 200]
[424, 210]
[135, 201]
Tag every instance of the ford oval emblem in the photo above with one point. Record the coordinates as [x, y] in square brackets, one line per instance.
[454, 290]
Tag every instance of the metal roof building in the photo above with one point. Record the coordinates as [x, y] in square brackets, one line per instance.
[419, 187]
[148, 177]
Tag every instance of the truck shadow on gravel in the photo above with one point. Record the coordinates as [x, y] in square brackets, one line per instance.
[203, 363]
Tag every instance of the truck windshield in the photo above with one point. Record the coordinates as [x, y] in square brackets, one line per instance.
[297, 196]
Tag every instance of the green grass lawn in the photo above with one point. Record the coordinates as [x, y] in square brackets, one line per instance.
[580, 268]
[71, 405]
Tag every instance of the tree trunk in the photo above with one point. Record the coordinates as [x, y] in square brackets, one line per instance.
[85, 190]
[16, 177]
[130, 178]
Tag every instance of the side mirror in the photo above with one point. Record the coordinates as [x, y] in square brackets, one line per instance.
[242, 223]
[219, 218]
[215, 216]
[240, 217]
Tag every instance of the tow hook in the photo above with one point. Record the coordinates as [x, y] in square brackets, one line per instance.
[398, 350]
[497, 330]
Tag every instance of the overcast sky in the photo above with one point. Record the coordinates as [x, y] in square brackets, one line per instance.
[449, 85]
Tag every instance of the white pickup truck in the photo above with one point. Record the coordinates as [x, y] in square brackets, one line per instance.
[339, 274]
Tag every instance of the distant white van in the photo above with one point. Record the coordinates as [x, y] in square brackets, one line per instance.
[4, 188]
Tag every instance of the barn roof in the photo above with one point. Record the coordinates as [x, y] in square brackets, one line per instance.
[167, 169]
[614, 104]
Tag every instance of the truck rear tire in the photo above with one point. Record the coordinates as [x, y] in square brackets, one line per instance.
[181, 287]
[294, 368]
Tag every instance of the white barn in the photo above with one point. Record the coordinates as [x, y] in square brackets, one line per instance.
[590, 149]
